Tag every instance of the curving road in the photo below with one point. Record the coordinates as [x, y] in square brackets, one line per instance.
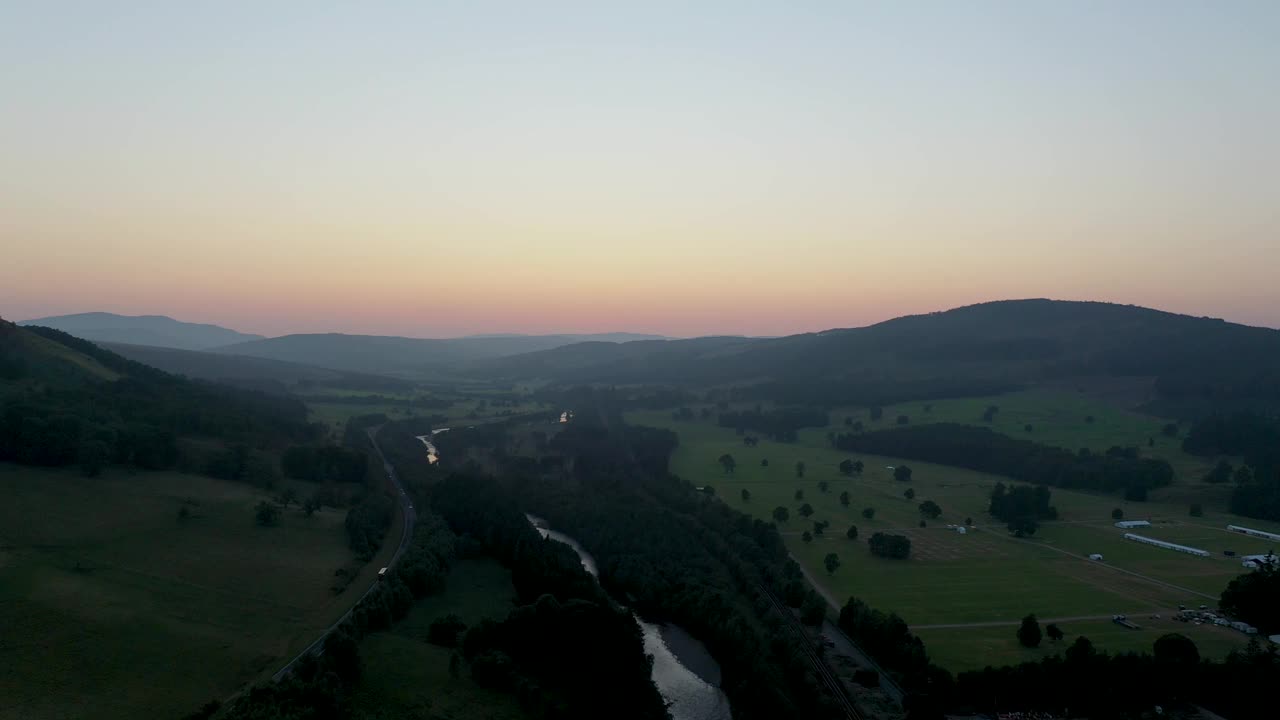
[406, 509]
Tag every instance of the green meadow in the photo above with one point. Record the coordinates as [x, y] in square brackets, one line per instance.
[985, 575]
[113, 607]
[404, 676]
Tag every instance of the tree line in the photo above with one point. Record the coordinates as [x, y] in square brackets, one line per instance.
[1254, 436]
[781, 425]
[979, 448]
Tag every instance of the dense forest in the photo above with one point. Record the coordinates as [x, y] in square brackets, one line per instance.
[979, 448]
[65, 401]
[1255, 437]
[779, 425]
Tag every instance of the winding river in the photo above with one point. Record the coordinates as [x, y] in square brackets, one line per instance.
[684, 672]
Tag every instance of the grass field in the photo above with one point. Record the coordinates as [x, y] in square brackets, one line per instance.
[406, 677]
[983, 576]
[113, 608]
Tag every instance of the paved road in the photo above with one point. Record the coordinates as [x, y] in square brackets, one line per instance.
[406, 508]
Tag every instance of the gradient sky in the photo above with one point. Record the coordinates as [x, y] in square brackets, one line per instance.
[442, 168]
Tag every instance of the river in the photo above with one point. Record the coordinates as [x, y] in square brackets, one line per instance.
[684, 672]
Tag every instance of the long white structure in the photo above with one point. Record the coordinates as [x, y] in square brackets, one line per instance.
[1126, 524]
[1167, 545]
[1254, 533]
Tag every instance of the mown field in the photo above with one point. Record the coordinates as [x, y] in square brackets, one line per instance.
[112, 607]
[985, 575]
[404, 676]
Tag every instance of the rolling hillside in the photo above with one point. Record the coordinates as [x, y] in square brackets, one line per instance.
[381, 354]
[154, 330]
[1190, 363]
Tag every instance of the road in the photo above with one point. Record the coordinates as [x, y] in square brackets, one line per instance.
[406, 535]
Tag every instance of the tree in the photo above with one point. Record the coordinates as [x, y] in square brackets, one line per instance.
[781, 514]
[807, 536]
[287, 496]
[1117, 514]
[1255, 598]
[877, 412]
[844, 498]
[728, 463]
[1170, 430]
[902, 473]
[890, 546]
[764, 462]
[266, 514]
[848, 421]
[184, 514]
[310, 507]
[909, 494]
[831, 561]
[1243, 476]
[1197, 510]
[746, 495]
[846, 467]
[455, 665]
[1054, 632]
[903, 420]
[858, 467]
[823, 485]
[1023, 527]
[1088, 419]
[1221, 473]
[930, 509]
[819, 528]
[868, 512]
[1175, 648]
[968, 522]
[806, 510]
[852, 532]
[1028, 427]
[800, 469]
[989, 415]
[799, 495]
[1029, 632]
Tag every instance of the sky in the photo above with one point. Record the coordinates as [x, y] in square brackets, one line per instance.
[684, 168]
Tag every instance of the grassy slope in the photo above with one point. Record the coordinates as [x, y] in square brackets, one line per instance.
[406, 677]
[980, 577]
[163, 615]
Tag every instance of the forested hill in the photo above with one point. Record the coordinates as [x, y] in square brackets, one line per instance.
[154, 330]
[1195, 362]
[66, 401]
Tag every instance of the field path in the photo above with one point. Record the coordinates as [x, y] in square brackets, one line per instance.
[1010, 623]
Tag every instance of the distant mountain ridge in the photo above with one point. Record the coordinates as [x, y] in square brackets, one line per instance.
[152, 330]
[405, 356]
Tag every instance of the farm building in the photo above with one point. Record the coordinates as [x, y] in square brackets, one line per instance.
[1127, 524]
[1167, 545]
[1255, 561]
[1254, 533]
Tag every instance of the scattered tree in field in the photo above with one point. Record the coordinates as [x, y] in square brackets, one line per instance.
[844, 498]
[1117, 514]
[807, 536]
[848, 421]
[846, 467]
[823, 485]
[1054, 632]
[728, 463]
[806, 510]
[799, 495]
[1221, 473]
[852, 532]
[857, 426]
[930, 509]
[781, 514]
[267, 514]
[1197, 510]
[764, 462]
[820, 528]
[287, 496]
[184, 514]
[858, 467]
[968, 522]
[877, 412]
[1088, 419]
[1028, 427]
[1151, 442]
[868, 512]
[1170, 430]
[310, 507]
[1244, 475]
[1029, 632]
[902, 473]
[989, 415]
[928, 408]
[800, 469]
[746, 495]
[831, 561]
[909, 493]
[890, 546]
[903, 420]
[924, 524]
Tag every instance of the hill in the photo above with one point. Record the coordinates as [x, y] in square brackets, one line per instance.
[249, 371]
[154, 330]
[1189, 364]
[392, 355]
[64, 400]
